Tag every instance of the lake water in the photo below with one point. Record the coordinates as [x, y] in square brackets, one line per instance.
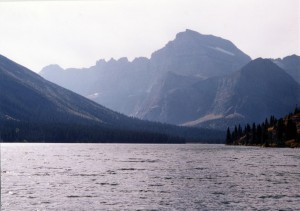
[162, 177]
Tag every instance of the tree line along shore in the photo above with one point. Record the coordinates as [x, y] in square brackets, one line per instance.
[273, 132]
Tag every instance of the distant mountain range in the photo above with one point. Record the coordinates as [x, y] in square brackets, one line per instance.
[195, 80]
[34, 109]
[291, 64]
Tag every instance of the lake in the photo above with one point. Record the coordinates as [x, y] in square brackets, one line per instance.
[141, 176]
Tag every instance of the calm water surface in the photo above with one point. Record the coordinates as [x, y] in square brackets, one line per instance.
[163, 177]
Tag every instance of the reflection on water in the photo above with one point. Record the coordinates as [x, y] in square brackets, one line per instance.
[111, 176]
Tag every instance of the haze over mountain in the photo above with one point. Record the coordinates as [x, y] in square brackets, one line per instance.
[122, 85]
[36, 106]
[194, 80]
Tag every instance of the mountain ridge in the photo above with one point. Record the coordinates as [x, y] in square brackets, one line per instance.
[291, 64]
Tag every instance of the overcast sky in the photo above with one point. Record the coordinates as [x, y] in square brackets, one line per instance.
[78, 33]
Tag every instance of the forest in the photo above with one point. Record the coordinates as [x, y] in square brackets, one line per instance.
[273, 132]
[13, 131]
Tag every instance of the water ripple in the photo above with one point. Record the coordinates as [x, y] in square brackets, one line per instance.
[148, 177]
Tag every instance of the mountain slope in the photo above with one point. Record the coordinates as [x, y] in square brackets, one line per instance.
[29, 97]
[173, 99]
[42, 109]
[258, 90]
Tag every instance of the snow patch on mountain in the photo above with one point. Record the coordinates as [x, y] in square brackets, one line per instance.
[203, 119]
[224, 51]
[93, 96]
[234, 115]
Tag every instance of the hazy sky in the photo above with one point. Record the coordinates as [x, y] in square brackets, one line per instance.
[78, 33]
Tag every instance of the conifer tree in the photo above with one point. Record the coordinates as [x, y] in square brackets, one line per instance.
[291, 130]
[280, 129]
[253, 130]
[258, 134]
[228, 137]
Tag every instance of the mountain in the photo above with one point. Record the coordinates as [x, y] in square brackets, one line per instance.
[175, 99]
[116, 84]
[258, 90]
[35, 109]
[195, 54]
[123, 86]
[194, 80]
[29, 97]
[291, 64]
